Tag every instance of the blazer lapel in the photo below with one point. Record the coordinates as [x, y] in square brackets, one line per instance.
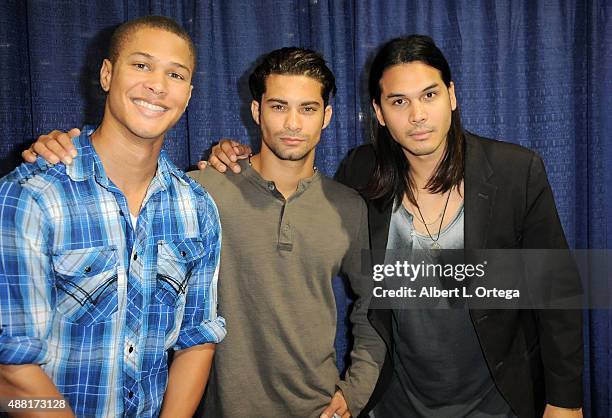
[378, 220]
[479, 195]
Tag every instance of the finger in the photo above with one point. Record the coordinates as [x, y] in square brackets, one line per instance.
[342, 409]
[40, 148]
[242, 151]
[331, 409]
[74, 132]
[216, 164]
[50, 148]
[347, 414]
[66, 141]
[29, 156]
[202, 164]
[63, 143]
[227, 147]
[224, 157]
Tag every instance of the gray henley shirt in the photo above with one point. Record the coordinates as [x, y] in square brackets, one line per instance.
[278, 260]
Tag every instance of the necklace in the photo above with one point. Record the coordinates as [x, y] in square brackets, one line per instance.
[435, 245]
[422, 221]
[432, 222]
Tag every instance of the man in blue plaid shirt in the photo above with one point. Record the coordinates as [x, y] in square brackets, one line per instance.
[109, 262]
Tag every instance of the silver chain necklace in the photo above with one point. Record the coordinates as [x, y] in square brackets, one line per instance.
[435, 245]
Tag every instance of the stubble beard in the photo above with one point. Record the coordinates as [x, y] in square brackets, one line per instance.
[289, 154]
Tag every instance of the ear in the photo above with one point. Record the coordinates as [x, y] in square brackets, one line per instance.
[451, 95]
[188, 98]
[327, 116]
[255, 111]
[378, 112]
[106, 74]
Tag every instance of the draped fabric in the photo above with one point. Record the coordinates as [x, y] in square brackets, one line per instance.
[537, 73]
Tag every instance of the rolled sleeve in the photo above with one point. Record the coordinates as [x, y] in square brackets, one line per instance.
[201, 323]
[25, 293]
[22, 350]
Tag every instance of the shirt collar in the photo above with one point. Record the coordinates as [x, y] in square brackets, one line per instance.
[270, 187]
[87, 164]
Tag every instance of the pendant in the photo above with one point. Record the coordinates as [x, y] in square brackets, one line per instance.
[435, 246]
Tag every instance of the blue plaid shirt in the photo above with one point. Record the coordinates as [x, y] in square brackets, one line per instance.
[95, 300]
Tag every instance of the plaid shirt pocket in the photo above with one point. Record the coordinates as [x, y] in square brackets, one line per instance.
[86, 284]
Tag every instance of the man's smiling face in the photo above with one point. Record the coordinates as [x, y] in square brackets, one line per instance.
[149, 84]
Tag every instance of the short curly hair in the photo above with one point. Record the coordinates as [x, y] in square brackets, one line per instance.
[293, 61]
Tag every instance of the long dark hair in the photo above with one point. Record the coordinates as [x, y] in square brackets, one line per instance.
[391, 177]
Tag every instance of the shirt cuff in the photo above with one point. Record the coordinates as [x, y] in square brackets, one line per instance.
[564, 392]
[354, 407]
[207, 332]
[22, 350]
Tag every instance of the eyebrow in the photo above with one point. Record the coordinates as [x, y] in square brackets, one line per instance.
[393, 95]
[151, 57]
[284, 102]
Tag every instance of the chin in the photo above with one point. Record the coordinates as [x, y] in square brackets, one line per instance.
[422, 149]
[148, 133]
[290, 154]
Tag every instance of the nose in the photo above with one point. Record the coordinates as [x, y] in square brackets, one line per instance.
[156, 83]
[292, 121]
[418, 114]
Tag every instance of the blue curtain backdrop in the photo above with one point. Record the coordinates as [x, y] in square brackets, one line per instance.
[537, 73]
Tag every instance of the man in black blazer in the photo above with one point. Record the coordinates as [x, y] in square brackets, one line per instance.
[423, 162]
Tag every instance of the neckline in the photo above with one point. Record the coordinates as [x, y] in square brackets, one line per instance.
[410, 218]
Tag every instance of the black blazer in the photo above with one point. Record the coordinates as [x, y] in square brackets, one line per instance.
[535, 357]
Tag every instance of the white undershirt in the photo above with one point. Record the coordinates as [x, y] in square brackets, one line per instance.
[134, 220]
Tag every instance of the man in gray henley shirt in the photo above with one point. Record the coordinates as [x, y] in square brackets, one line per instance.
[287, 231]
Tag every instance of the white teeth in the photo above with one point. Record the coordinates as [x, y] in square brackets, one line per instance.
[149, 106]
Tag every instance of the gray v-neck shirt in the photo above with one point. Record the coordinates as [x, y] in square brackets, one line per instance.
[440, 370]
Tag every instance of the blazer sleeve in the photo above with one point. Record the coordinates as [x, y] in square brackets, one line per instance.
[356, 168]
[559, 330]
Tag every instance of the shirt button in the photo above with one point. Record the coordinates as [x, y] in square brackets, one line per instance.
[271, 187]
[183, 253]
[131, 394]
[135, 256]
[131, 349]
[121, 212]
[88, 269]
